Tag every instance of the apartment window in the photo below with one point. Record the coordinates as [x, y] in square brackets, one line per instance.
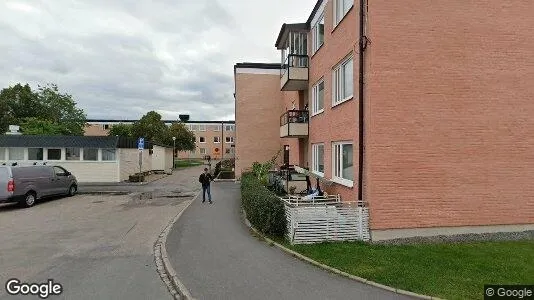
[35, 153]
[318, 159]
[343, 170]
[109, 154]
[202, 150]
[90, 154]
[194, 127]
[343, 82]
[318, 98]
[217, 128]
[318, 34]
[217, 139]
[16, 153]
[229, 128]
[341, 7]
[105, 126]
[72, 154]
[201, 139]
[229, 139]
[202, 127]
[53, 154]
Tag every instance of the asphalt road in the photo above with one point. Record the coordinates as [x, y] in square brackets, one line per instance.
[97, 246]
[216, 257]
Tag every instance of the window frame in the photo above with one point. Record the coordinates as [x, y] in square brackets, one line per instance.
[336, 18]
[85, 151]
[79, 154]
[202, 127]
[232, 127]
[338, 81]
[48, 154]
[315, 93]
[231, 139]
[315, 159]
[216, 139]
[200, 139]
[315, 34]
[217, 128]
[200, 151]
[9, 153]
[336, 177]
[114, 154]
[36, 148]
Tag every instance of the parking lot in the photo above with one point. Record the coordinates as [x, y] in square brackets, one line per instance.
[96, 245]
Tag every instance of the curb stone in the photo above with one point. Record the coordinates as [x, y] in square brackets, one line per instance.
[334, 270]
[163, 264]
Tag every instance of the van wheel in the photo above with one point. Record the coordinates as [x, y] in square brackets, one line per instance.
[72, 190]
[29, 199]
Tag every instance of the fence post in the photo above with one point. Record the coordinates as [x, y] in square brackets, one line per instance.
[360, 222]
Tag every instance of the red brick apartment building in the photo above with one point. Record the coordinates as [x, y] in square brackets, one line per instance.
[422, 109]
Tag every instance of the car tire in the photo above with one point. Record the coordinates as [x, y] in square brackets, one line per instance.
[72, 190]
[29, 200]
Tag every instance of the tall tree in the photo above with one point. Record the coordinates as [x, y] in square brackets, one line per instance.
[121, 129]
[185, 139]
[151, 127]
[46, 109]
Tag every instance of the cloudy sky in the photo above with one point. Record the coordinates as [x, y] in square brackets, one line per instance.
[123, 58]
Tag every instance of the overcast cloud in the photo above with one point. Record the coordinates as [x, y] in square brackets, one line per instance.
[123, 58]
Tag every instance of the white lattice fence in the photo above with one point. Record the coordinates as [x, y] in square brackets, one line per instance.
[326, 220]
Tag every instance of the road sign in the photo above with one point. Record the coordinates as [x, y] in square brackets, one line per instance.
[141, 144]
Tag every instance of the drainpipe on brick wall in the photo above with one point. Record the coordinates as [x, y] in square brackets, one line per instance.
[363, 45]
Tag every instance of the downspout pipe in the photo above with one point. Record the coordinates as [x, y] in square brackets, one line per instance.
[363, 45]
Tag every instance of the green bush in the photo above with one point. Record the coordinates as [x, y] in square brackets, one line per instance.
[264, 210]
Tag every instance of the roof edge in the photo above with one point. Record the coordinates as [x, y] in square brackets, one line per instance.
[249, 65]
[314, 11]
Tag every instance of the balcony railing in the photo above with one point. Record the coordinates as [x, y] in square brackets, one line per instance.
[294, 61]
[294, 116]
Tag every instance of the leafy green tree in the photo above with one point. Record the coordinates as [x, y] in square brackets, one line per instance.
[45, 111]
[151, 127]
[121, 129]
[185, 139]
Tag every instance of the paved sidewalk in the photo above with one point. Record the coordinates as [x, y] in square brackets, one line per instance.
[215, 257]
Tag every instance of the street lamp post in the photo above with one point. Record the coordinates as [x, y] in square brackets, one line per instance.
[173, 151]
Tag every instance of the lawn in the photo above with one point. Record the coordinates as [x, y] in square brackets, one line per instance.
[451, 271]
[187, 163]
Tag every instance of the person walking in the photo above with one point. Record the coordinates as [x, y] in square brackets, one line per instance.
[205, 179]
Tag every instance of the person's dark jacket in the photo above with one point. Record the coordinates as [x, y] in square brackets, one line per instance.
[205, 179]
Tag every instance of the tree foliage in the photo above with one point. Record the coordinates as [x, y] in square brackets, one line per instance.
[121, 130]
[152, 128]
[42, 111]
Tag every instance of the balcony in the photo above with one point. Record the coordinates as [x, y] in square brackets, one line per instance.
[294, 73]
[294, 123]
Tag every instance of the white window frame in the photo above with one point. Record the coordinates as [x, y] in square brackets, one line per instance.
[217, 139]
[217, 128]
[231, 139]
[232, 127]
[338, 81]
[315, 159]
[200, 139]
[201, 127]
[43, 153]
[315, 35]
[202, 152]
[337, 153]
[315, 98]
[344, 10]
[16, 150]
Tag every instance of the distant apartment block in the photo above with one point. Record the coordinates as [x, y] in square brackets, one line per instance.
[420, 110]
[213, 138]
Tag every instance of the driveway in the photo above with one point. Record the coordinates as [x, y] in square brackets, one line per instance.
[216, 257]
[97, 246]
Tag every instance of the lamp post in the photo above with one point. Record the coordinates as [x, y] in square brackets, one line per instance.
[173, 151]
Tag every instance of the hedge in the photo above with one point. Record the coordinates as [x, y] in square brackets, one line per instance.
[264, 210]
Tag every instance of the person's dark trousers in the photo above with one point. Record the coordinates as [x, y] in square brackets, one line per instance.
[206, 188]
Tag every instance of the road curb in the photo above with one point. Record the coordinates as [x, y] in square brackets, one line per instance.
[334, 270]
[163, 264]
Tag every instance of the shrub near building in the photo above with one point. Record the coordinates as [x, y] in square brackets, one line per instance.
[263, 209]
